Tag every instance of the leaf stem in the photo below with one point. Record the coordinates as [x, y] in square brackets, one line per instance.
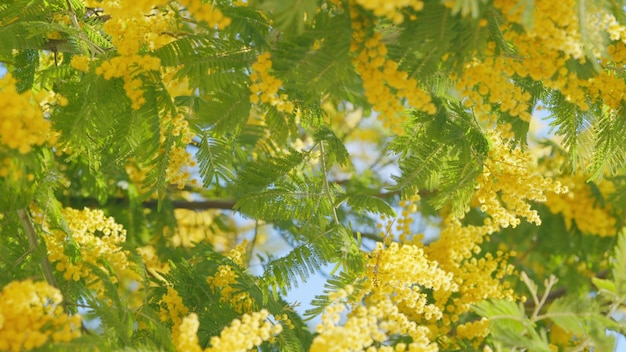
[326, 186]
[33, 242]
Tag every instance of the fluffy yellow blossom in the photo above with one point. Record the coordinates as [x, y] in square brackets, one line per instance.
[477, 329]
[395, 301]
[186, 334]
[152, 262]
[198, 227]
[401, 273]
[581, 207]
[129, 68]
[366, 325]
[172, 307]
[477, 276]
[136, 28]
[392, 9]
[384, 84]
[179, 159]
[551, 35]
[485, 84]
[265, 87]
[205, 12]
[80, 62]
[224, 279]
[98, 242]
[22, 125]
[223, 282]
[509, 182]
[31, 315]
[245, 333]
[238, 254]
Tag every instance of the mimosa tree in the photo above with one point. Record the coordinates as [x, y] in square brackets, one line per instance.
[150, 149]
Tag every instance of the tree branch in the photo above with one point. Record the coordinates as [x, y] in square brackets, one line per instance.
[196, 205]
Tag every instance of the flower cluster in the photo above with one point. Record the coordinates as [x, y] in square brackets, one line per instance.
[390, 9]
[204, 12]
[474, 330]
[477, 277]
[542, 53]
[265, 86]
[129, 67]
[383, 82]
[485, 84]
[151, 260]
[172, 308]
[197, 227]
[245, 333]
[225, 278]
[581, 207]
[508, 183]
[185, 335]
[242, 335]
[395, 300]
[366, 325]
[22, 125]
[133, 32]
[400, 274]
[179, 159]
[31, 315]
[97, 242]
[80, 62]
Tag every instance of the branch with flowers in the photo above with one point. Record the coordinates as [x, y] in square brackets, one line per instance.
[172, 173]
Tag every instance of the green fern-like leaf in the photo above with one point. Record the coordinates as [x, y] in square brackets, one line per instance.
[304, 260]
[213, 156]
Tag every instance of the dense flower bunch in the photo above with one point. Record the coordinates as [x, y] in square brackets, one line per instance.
[474, 276]
[179, 158]
[385, 85]
[133, 33]
[556, 36]
[242, 335]
[80, 62]
[152, 262]
[391, 9]
[509, 182]
[172, 308]
[31, 315]
[129, 68]
[485, 84]
[542, 51]
[401, 274]
[265, 86]
[366, 325]
[22, 125]
[579, 206]
[97, 241]
[186, 336]
[471, 275]
[226, 277]
[198, 227]
[203, 11]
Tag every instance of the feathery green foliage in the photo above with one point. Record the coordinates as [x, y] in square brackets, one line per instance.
[345, 141]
